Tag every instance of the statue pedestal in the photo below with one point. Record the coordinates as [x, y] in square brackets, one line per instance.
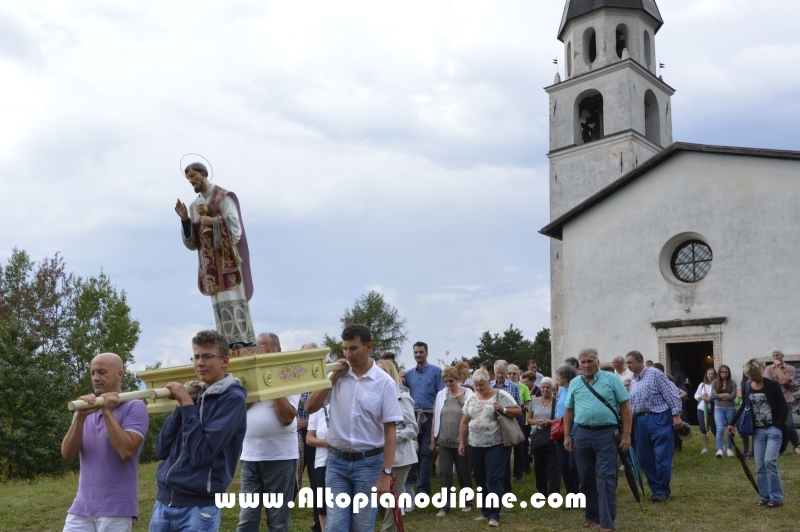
[266, 376]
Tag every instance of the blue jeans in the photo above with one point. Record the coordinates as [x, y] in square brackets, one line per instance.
[425, 463]
[352, 477]
[185, 519]
[489, 466]
[268, 476]
[655, 443]
[766, 443]
[596, 454]
[722, 418]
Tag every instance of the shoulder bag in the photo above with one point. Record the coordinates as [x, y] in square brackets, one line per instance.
[746, 425]
[509, 428]
[541, 436]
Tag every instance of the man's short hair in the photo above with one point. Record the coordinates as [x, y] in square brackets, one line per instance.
[276, 342]
[637, 356]
[659, 366]
[197, 167]
[388, 355]
[421, 344]
[588, 352]
[488, 365]
[619, 359]
[572, 361]
[357, 330]
[310, 345]
[777, 351]
[212, 339]
[501, 363]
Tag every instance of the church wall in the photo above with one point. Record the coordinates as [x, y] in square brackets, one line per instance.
[744, 207]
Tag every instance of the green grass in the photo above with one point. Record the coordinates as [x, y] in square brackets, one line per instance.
[709, 495]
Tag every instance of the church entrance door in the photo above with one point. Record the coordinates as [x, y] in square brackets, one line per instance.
[695, 358]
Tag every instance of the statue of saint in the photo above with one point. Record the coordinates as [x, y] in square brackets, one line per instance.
[212, 226]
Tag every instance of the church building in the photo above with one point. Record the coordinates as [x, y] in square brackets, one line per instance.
[685, 252]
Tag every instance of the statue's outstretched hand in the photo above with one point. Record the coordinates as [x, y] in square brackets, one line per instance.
[182, 211]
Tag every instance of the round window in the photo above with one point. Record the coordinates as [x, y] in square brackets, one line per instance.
[691, 261]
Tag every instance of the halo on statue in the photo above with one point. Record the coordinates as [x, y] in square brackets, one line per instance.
[204, 161]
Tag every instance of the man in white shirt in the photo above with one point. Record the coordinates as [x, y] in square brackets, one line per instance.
[621, 370]
[269, 455]
[363, 412]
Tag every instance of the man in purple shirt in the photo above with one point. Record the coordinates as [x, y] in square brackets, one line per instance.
[109, 439]
[424, 381]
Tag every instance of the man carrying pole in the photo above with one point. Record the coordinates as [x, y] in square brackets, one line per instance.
[109, 439]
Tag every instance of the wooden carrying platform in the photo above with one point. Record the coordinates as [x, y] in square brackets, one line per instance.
[266, 376]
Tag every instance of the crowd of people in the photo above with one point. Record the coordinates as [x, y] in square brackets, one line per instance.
[379, 430]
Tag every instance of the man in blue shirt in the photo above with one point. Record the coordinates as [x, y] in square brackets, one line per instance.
[424, 381]
[656, 410]
[596, 445]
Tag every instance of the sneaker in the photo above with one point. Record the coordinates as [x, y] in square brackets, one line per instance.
[441, 513]
[704, 451]
[719, 453]
[481, 518]
[466, 509]
[494, 522]
[730, 453]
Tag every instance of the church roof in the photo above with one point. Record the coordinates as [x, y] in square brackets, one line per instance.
[555, 228]
[576, 8]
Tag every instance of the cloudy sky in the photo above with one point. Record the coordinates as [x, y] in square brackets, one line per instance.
[399, 147]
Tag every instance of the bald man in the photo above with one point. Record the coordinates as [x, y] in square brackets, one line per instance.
[108, 439]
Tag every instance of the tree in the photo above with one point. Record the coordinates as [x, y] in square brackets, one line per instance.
[513, 346]
[43, 310]
[384, 321]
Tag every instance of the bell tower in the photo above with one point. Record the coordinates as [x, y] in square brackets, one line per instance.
[609, 115]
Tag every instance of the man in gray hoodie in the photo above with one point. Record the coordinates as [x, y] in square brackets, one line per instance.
[200, 442]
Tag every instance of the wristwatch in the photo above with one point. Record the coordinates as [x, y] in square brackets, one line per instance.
[505, 410]
[387, 470]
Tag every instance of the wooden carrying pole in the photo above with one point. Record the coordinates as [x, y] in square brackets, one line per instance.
[160, 393]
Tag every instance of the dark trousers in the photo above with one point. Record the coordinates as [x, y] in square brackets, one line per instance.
[789, 432]
[421, 471]
[655, 441]
[487, 463]
[521, 456]
[596, 454]
[309, 456]
[568, 468]
[545, 467]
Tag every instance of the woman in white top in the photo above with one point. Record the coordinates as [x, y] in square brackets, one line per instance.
[404, 455]
[705, 407]
[446, 421]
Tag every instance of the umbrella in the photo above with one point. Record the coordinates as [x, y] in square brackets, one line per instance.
[637, 469]
[398, 513]
[630, 475]
[746, 468]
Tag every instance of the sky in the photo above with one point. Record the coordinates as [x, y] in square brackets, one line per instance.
[398, 147]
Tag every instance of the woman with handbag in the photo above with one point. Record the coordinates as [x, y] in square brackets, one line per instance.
[566, 461]
[481, 423]
[763, 410]
[446, 422]
[545, 458]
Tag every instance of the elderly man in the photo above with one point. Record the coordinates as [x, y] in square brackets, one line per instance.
[270, 454]
[424, 381]
[522, 457]
[597, 440]
[109, 439]
[500, 382]
[620, 369]
[656, 410]
[783, 374]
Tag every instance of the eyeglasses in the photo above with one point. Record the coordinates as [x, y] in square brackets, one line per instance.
[205, 357]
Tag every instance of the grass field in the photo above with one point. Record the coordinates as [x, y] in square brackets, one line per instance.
[709, 495]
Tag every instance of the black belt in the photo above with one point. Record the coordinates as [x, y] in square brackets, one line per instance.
[355, 455]
[597, 427]
[640, 414]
